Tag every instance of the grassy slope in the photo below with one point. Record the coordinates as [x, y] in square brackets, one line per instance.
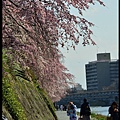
[23, 99]
[32, 101]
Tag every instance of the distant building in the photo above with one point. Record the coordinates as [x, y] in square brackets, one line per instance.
[103, 73]
[76, 88]
[95, 98]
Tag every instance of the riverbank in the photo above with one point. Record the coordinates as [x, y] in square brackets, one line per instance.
[95, 116]
[98, 116]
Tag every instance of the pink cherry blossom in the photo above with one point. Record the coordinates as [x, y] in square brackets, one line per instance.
[33, 30]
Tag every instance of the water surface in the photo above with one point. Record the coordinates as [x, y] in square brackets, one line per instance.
[98, 110]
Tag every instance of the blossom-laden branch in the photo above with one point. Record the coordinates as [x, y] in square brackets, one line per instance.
[35, 28]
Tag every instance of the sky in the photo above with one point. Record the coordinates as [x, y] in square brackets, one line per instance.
[105, 35]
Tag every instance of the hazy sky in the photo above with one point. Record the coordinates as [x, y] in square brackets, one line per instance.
[105, 35]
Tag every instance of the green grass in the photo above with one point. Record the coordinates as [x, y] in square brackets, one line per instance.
[96, 116]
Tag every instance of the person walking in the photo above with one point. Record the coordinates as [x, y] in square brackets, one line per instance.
[71, 111]
[61, 107]
[85, 110]
[114, 111]
[64, 107]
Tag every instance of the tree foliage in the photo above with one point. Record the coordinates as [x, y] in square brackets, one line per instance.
[33, 30]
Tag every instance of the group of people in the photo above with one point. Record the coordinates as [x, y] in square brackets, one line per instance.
[85, 111]
[61, 107]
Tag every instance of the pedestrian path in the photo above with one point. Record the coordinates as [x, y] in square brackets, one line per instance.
[62, 115]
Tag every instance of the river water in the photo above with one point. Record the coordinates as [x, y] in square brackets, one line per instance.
[98, 110]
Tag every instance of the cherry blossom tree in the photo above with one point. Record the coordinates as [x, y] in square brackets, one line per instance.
[33, 30]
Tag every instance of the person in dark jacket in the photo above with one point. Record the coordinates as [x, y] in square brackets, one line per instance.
[85, 110]
[114, 111]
